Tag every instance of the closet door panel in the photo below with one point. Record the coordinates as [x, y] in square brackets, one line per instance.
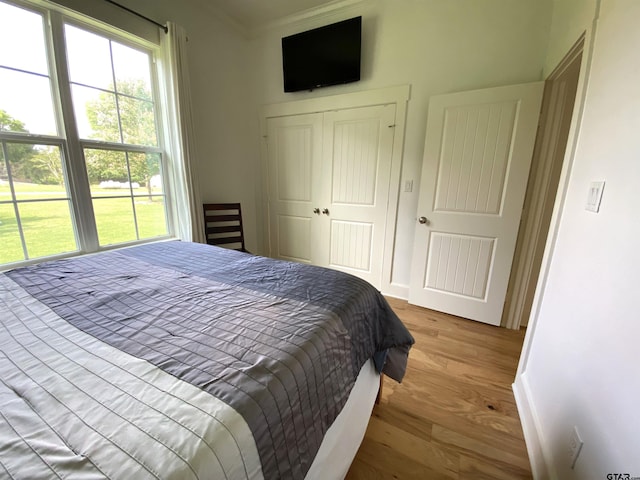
[356, 168]
[351, 245]
[355, 161]
[295, 155]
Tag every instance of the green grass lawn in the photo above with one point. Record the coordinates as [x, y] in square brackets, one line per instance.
[48, 228]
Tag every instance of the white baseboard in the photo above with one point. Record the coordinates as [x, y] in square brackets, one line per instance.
[396, 290]
[541, 467]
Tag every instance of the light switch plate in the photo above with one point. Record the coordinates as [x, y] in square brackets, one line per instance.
[408, 185]
[594, 197]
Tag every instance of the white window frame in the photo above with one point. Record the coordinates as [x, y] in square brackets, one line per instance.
[72, 147]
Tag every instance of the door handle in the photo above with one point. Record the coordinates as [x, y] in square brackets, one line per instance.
[423, 220]
[316, 211]
[325, 211]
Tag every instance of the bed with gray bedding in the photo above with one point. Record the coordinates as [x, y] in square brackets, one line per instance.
[181, 360]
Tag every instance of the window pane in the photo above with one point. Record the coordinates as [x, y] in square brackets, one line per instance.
[138, 122]
[36, 176]
[151, 217]
[96, 114]
[89, 58]
[47, 228]
[121, 182]
[10, 244]
[108, 173]
[22, 40]
[131, 66]
[145, 171]
[26, 104]
[25, 98]
[114, 218]
[36, 171]
[121, 99]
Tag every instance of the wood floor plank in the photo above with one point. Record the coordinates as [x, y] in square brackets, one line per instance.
[483, 450]
[480, 374]
[389, 463]
[474, 354]
[403, 418]
[474, 468]
[487, 397]
[434, 456]
[454, 415]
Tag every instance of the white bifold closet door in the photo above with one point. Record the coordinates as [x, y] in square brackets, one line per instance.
[329, 178]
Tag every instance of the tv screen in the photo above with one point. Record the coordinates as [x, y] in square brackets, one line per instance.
[324, 56]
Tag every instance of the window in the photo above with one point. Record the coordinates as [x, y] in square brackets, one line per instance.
[81, 160]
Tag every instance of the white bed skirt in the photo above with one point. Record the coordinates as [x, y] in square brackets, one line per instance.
[342, 440]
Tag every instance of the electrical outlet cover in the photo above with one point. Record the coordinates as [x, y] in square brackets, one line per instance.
[575, 445]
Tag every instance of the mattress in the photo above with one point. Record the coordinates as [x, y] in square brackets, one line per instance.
[180, 360]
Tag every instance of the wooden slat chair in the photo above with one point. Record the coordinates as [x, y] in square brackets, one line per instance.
[223, 225]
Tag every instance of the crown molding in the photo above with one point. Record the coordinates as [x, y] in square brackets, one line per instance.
[314, 14]
[324, 11]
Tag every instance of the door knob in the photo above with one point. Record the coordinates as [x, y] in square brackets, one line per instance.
[325, 211]
[423, 220]
[316, 211]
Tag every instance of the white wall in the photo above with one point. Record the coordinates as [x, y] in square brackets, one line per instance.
[569, 20]
[435, 46]
[581, 366]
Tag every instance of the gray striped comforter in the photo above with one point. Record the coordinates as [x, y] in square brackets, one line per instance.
[180, 360]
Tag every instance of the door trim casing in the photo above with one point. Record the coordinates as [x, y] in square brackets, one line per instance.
[398, 95]
[538, 207]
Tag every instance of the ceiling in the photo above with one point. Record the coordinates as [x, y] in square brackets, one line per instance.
[251, 14]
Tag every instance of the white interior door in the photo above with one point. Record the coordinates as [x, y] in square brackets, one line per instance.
[478, 150]
[295, 158]
[358, 146]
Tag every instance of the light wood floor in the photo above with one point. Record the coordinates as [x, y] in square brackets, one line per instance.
[454, 415]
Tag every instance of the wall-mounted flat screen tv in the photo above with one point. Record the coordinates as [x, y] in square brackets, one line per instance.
[324, 56]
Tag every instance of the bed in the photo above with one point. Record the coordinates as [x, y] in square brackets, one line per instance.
[180, 360]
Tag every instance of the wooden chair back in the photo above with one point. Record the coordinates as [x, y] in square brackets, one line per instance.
[223, 225]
